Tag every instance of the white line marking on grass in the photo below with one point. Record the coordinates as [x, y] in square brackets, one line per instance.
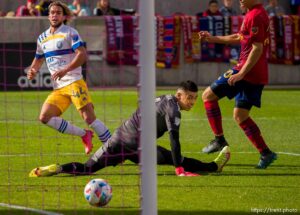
[8, 121]
[283, 153]
[288, 153]
[29, 209]
[38, 155]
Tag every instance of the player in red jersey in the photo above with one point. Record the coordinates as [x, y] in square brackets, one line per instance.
[245, 81]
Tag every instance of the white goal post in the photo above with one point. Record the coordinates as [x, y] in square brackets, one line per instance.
[147, 96]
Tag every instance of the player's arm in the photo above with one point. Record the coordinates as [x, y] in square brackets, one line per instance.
[79, 59]
[205, 36]
[176, 155]
[172, 119]
[175, 147]
[34, 68]
[254, 55]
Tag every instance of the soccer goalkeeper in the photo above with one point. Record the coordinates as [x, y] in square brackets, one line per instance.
[123, 145]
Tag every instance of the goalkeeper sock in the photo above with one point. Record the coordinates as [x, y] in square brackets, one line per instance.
[65, 127]
[101, 130]
[214, 116]
[254, 135]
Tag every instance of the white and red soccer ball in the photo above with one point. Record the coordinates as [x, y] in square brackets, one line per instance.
[98, 192]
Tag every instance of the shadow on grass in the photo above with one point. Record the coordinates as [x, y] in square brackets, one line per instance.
[112, 211]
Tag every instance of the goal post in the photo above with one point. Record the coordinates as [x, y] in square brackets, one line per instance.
[148, 116]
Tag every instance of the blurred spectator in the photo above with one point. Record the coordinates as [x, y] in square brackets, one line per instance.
[213, 9]
[75, 7]
[28, 9]
[10, 14]
[2, 13]
[79, 9]
[295, 7]
[103, 8]
[274, 9]
[227, 9]
[42, 7]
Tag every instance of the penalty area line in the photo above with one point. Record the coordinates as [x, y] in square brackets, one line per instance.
[18, 207]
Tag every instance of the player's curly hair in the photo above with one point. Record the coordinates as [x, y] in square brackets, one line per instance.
[66, 11]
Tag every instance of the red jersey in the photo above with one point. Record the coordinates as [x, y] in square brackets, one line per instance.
[255, 29]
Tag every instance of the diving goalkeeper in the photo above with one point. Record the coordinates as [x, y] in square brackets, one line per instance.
[123, 145]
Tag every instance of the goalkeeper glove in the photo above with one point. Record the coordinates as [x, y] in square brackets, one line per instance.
[180, 172]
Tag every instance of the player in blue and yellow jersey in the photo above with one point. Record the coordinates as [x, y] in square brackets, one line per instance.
[64, 52]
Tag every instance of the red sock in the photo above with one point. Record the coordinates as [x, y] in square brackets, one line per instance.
[253, 133]
[214, 116]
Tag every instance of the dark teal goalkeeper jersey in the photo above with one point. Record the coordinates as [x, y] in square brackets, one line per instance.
[168, 118]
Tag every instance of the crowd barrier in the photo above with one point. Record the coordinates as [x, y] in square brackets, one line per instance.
[284, 41]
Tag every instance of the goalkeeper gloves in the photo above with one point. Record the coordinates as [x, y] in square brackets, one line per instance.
[180, 172]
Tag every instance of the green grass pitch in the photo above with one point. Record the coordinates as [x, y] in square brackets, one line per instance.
[239, 189]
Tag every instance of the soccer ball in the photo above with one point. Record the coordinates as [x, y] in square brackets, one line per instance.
[97, 192]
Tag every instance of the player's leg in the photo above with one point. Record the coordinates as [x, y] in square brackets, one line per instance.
[210, 97]
[56, 103]
[74, 168]
[81, 99]
[50, 116]
[88, 115]
[45, 171]
[107, 155]
[194, 165]
[100, 159]
[164, 157]
[251, 95]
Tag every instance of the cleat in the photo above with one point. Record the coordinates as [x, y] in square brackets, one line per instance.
[87, 141]
[266, 160]
[44, 171]
[214, 146]
[222, 158]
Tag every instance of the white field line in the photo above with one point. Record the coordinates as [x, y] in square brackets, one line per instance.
[282, 153]
[82, 154]
[46, 155]
[8, 121]
[29, 209]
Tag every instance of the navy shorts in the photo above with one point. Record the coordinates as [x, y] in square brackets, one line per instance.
[246, 94]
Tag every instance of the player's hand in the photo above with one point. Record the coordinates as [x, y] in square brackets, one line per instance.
[59, 74]
[235, 78]
[31, 73]
[180, 172]
[204, 36]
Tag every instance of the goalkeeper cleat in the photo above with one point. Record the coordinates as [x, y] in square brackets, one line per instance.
[222, 158]
[214, 146]
[45, 171]
[266, 160]
[87, 141]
